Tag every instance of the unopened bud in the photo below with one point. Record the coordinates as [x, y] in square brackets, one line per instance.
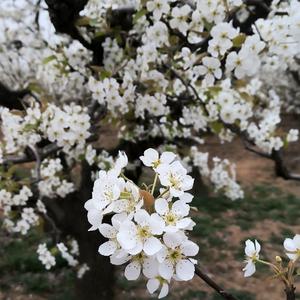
[148, 199]
[278, 259]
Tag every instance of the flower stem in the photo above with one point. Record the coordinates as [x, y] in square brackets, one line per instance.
[154, 183]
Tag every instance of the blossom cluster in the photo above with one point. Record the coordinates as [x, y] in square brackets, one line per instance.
[51, 183]
[48, 257]
[222, 175]
[148, 233]
[68, 127]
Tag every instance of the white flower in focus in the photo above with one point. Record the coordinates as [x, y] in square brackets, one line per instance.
[292, 246]
[130, 200]
[107, 189]
[174, 214]
[174, 176]
[252, 255]
[174, 257]
[140, 236]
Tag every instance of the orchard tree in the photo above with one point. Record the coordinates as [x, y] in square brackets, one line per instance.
[164, 75]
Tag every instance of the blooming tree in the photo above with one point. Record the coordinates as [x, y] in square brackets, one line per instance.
[164, 74]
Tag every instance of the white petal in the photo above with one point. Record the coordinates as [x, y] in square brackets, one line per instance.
[161, 206]
[292, 256]
[249, 269]
[297, 240]
[184, 223]
[180, 208]
[167, 157]
[142, 217]
[89, 204]
[257, 246]
[118, 219]
[185, 270]
[289, 245]
[150, 267]
[95, 218]
[162, 254]
[172, 240]
[164, 291]
[133, 270]
[152, 285]
[120, 205]
[186, 197]
[152, 246]
[189, 248]
[166, 269]
[107, 248]
[157, 224]
[127, 235]
[150, 156]
[137, 249]
[250, 248]
[107, 231]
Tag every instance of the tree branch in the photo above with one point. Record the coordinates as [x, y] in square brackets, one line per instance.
[213, 284]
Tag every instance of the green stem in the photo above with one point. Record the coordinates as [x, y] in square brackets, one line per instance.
[154, 183]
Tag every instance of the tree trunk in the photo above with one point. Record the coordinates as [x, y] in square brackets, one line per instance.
[97, 283]
[71, 218]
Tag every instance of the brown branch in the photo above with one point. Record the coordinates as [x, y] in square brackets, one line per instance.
[214, 285]
[290, 293]
[28, 157]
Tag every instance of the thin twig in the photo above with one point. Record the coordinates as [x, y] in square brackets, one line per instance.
[213, 284]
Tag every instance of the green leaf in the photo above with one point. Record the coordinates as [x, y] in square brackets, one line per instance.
[83, 21]
[100, 34]
[216, 127]
[48, 59]
[139, 14]
[239, 40]
[104, 74]
[34, 87]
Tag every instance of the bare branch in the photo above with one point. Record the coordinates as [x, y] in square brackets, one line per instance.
[213, 284]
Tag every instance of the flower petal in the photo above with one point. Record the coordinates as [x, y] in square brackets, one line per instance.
[107, 248]
[152, 246]
[133, 270]
[185, 270]
[152, 285]
[161, 206]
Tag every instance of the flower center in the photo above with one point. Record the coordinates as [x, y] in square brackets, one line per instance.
[175, 255]
[170, 219]
[144, 232]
